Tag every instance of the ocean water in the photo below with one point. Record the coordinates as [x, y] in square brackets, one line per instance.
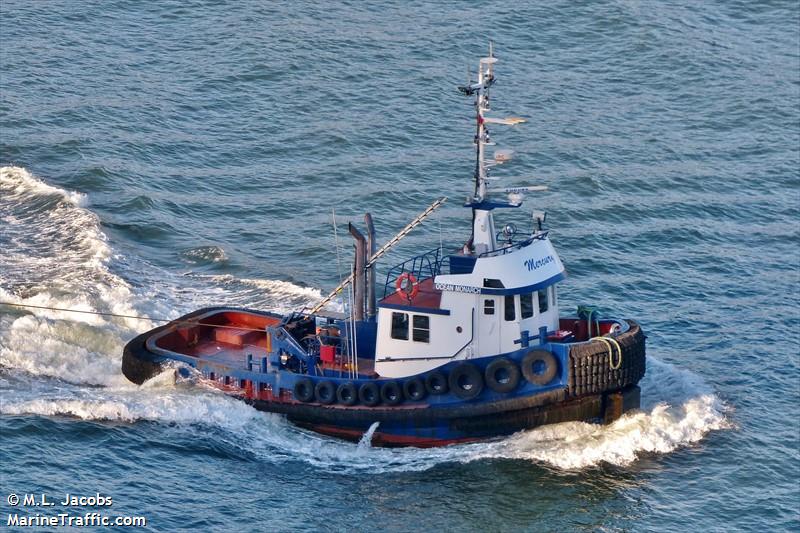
[159, 157]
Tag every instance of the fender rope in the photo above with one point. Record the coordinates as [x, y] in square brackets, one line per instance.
[608, 341]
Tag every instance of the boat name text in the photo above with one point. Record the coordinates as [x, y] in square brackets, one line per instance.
[457, 288]
[534, 264]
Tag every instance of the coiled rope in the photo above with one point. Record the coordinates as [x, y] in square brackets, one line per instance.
[608, 341]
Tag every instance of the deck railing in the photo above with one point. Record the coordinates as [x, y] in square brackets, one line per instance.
[542, 235]
[421, 267]
[433, 263]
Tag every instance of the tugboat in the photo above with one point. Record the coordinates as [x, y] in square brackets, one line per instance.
[461, 346]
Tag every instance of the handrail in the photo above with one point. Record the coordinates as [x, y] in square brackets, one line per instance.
[429, 259]
[522, 244]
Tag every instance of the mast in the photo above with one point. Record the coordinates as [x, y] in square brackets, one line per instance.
[485, 81]
[482, 239]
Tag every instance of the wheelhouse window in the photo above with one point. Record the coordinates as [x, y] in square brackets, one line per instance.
[509, 311]
[400, 326]
[422, 329]
[553, 295]
[488, 307]
[542, 301]
[526, 305]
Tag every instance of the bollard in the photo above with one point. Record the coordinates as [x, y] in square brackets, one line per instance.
[542, 335]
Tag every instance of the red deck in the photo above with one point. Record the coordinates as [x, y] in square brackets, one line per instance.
[228, 337]
[427, 297]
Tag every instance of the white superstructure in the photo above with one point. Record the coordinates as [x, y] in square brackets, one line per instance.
[491, 297]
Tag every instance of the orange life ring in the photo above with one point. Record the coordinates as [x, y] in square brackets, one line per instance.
[407, 284]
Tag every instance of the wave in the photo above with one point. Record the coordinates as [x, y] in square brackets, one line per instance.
[670, 419]
[678, 409]
[203, 255]
[276, 295]
[56, 255]
[16, 183]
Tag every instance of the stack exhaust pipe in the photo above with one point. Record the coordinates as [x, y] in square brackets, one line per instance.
[359, 281]
[371, 246]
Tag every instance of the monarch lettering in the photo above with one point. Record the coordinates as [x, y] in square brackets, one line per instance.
[457, 288]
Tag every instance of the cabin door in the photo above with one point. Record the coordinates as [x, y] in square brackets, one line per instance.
[488, 327]
[510, 323]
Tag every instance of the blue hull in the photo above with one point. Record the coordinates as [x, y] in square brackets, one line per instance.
[580, 386]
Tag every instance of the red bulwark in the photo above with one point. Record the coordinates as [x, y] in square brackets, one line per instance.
[235, 337]
[427, 297]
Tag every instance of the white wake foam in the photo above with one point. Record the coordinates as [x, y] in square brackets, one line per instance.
[677, 419]
[16, 182]
[56, 256]
[162, 402]
[678, 409]
[286, 289]
[275, 295]
[205, 254]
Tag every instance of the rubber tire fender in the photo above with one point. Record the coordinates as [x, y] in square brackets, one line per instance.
[138, 369]
[436, 383]
[466, 381]
[391, 393]
[508, 378]
[304, 390]
[347, 393]
[325, 392]
[414, 389]
[369, 394]
[550, 367]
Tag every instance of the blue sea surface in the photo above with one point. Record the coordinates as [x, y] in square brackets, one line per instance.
[162, 156]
